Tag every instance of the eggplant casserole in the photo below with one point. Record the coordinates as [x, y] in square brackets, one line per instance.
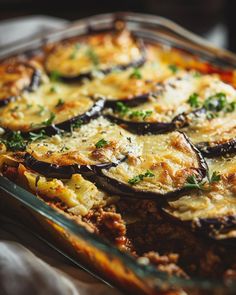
[135, 142]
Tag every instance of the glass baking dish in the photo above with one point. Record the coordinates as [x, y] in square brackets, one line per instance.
[84, 248]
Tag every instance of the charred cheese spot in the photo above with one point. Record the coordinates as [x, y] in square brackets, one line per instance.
[14, 78]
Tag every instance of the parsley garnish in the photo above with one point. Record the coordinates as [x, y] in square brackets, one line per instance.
[216, 103]
[193, 182]
[14, 141]
[76, 124]
[124, 110]
[101, 143]
[75, 51]
[174, 69]
[197, 74]
[215, 177]
[213, 104]
[53, 89]
[36, 136]
[136, 74]
[136, 179]
[92, 56]
[193, 100]
[49, 121]
[41, 109]
[230, 107]
[60, 103]
[55, 76]
[29, 106]
[142, 114]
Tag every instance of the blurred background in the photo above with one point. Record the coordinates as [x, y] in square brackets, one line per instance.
[213, 19]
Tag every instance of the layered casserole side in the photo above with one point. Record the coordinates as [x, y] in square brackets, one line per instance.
[133, 141]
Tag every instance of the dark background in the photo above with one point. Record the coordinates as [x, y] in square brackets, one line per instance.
[199, 16]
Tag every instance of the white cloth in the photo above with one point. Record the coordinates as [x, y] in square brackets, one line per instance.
[29, 266]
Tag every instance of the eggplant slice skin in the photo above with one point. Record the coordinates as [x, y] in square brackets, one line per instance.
[159, 172]
[51, 107]
[75, 60]
[15, 78]
[97, 144]
[211, 211]
[214, 137]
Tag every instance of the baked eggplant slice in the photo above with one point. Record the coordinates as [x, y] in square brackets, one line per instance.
[159, 171]
[207, 116]
[53, 106]
[166, 107]
[15, 78]
[213, 127]
[214, 136]
[212, 209]
[74, 60]
[132, 86]
[97, 144]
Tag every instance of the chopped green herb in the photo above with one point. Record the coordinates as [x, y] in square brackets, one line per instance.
[76, 124]
[36, 136]
[64, 148]
[14, 141]
[91, 54]
[216, 103]
[197, 74]
[75, 51]
[122, 108]
[136, 74]
[174, 69]
[60, 103]
[136, 179]
[211, 115]
[49, 121]
[193, 100]
[230, 107]
[53, 89]
[41, 110]
[28, 106]
[215, 177]
[142, 114]
[14, 109]
[55, 76]
[193, 182]
[101, 143]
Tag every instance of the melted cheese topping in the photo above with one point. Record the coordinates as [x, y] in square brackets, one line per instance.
[218, 201]
[219, 129]
[123, 85]
[13, 79]
[80, 146]
[92, 53]
[170, 97]
[29, 112]
[170, 159]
